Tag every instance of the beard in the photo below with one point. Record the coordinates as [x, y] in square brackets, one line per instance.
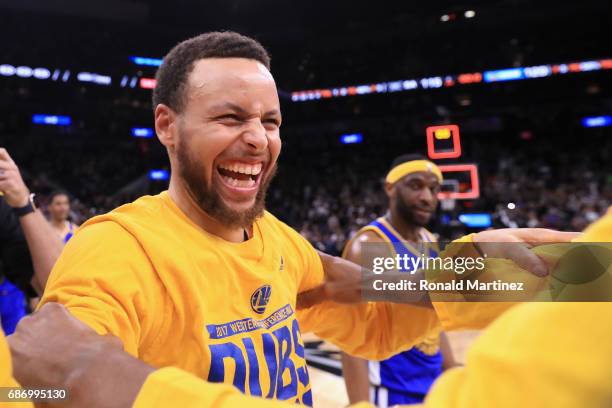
[208, 198]
[405, 211]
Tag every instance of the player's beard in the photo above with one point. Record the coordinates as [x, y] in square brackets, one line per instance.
[406, 212]
[208, 198]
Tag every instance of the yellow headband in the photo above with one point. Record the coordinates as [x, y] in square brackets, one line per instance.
[413, 166]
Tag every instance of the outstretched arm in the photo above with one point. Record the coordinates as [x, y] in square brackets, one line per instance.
[370, 330]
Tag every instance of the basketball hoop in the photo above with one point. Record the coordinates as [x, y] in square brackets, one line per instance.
[448, 187]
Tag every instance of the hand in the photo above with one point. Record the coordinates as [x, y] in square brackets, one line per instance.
[15, 191]
[518, 241]
[345, 283]
[51, 348]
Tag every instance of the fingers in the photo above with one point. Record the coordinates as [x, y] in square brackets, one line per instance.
[526, 259]
[4, 156]
[7, 166]
[517, 252]
[12, 186]
[539, 236]
[532, 236]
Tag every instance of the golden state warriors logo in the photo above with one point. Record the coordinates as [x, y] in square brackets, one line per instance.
[260, 299]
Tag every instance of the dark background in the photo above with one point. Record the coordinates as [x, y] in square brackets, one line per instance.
[526, 136]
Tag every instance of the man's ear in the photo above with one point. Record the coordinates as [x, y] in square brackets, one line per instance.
[165, 125]
[390, 189]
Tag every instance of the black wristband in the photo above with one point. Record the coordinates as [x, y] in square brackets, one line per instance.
[26, 209]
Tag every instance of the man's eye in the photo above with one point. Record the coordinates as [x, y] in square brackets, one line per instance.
[229, 117]
[272, 122]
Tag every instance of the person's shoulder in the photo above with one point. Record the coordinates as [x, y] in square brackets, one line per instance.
[125, 225]
[143, 210]
[363, 237]
[367, 235]
[145, 206]
[100, 232]
[270, 224]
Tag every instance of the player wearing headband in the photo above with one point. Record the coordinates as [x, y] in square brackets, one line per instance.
[412, 186]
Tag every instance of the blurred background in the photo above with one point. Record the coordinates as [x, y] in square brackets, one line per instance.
[527, 84]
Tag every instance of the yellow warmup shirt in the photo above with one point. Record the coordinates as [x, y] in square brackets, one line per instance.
[538, 355]
[171, 387]
[6, 374]
[535, 355]
[178, 296]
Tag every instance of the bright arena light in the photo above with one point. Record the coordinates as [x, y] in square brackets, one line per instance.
[469, 13]
[444, 18]
[511, 206]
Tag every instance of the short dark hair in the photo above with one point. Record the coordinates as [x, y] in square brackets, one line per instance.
[406, 158]
[56, 193]
[177, 65]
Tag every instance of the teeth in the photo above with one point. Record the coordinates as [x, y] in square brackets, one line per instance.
[239, 183]
[253, 169]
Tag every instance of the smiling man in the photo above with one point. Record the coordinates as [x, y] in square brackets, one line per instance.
[202, 278]
[412, 187]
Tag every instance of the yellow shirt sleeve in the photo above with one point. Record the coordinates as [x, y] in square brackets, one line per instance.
[378, 330]
[372, 331]
[104, 278]
[538, 354]
[171, 387]
[366, 330]
[467, 315]
[6, 375]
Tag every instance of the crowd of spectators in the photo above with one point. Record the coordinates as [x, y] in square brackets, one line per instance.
[329, 195]
[517, 193]
[326, 194]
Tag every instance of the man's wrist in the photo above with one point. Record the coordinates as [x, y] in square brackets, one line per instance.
[24, 208]
[22, 201]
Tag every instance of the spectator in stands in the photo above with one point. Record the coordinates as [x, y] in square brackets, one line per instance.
[28, 245]
[59, 213]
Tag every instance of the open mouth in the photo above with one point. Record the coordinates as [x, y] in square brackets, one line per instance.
[240, 175]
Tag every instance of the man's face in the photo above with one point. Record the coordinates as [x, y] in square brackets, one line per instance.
[228, 138]
[59, 207]
[416, 197]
